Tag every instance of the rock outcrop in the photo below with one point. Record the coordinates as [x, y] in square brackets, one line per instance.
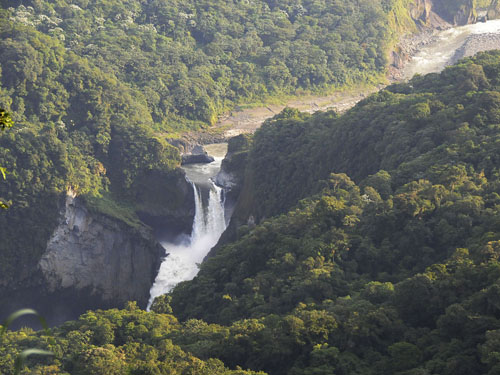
[101, 256]
[197, 155]
[232, 172]
[441, 13]
[424, 14]
[164, 201]
[231, 178]
[91, 261]
[429, 16]
[494, 10]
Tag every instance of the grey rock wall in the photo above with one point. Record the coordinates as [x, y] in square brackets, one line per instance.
[101, 255]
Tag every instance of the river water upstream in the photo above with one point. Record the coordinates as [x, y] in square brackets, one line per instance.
[438, 54]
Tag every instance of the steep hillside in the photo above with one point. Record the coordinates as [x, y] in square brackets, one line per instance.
[401, 261]
[389, 130]
[393, 271]
[370, 243]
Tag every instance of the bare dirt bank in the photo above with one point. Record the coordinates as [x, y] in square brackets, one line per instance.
[248, 120]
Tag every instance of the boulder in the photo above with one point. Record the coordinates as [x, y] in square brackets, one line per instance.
[197, 155]
[197, 158]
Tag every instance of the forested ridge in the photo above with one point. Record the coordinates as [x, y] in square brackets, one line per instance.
[392, 249]
[387, 263]
[376, 245]
[96, 89]
[192, 59]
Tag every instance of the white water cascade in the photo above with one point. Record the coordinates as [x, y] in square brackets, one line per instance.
[183, 257]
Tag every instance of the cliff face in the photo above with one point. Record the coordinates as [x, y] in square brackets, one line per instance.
[91, 261]
[232, 172]
[440, 13]
[164, 201]
[494, 10]
[106, 258]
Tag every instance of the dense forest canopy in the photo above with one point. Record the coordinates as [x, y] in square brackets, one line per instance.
[194, 58]
[393, 271]
[96, 87]
[376, 249]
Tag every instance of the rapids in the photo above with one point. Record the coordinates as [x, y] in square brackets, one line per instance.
[435, 56]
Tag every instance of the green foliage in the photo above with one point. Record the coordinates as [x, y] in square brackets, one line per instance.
[191, 60]
[5, 119]
[5, 123]
[23, 356]
[393, 272]
[129, 341]
[79, 129]
[448, 117]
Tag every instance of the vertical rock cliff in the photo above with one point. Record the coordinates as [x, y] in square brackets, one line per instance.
[103, 256]
[438, 13]
[94, 256]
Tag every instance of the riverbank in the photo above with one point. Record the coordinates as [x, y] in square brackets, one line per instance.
[408, 47]
[421, 53]
[475, 44]
[248, 120]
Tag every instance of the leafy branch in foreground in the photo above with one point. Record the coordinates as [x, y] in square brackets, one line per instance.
[5, 122]
[21, 358]
[5, 119]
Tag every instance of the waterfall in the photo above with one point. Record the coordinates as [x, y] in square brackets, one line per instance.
[182, 259]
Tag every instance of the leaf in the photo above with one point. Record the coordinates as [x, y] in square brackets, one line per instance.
[3, 171]
[21, 358]
[17, 314]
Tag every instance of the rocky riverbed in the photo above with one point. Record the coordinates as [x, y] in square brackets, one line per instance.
[407, 48]
[476, 43]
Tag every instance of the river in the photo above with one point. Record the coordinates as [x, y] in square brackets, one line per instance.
[185, 253]
[438, 54]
